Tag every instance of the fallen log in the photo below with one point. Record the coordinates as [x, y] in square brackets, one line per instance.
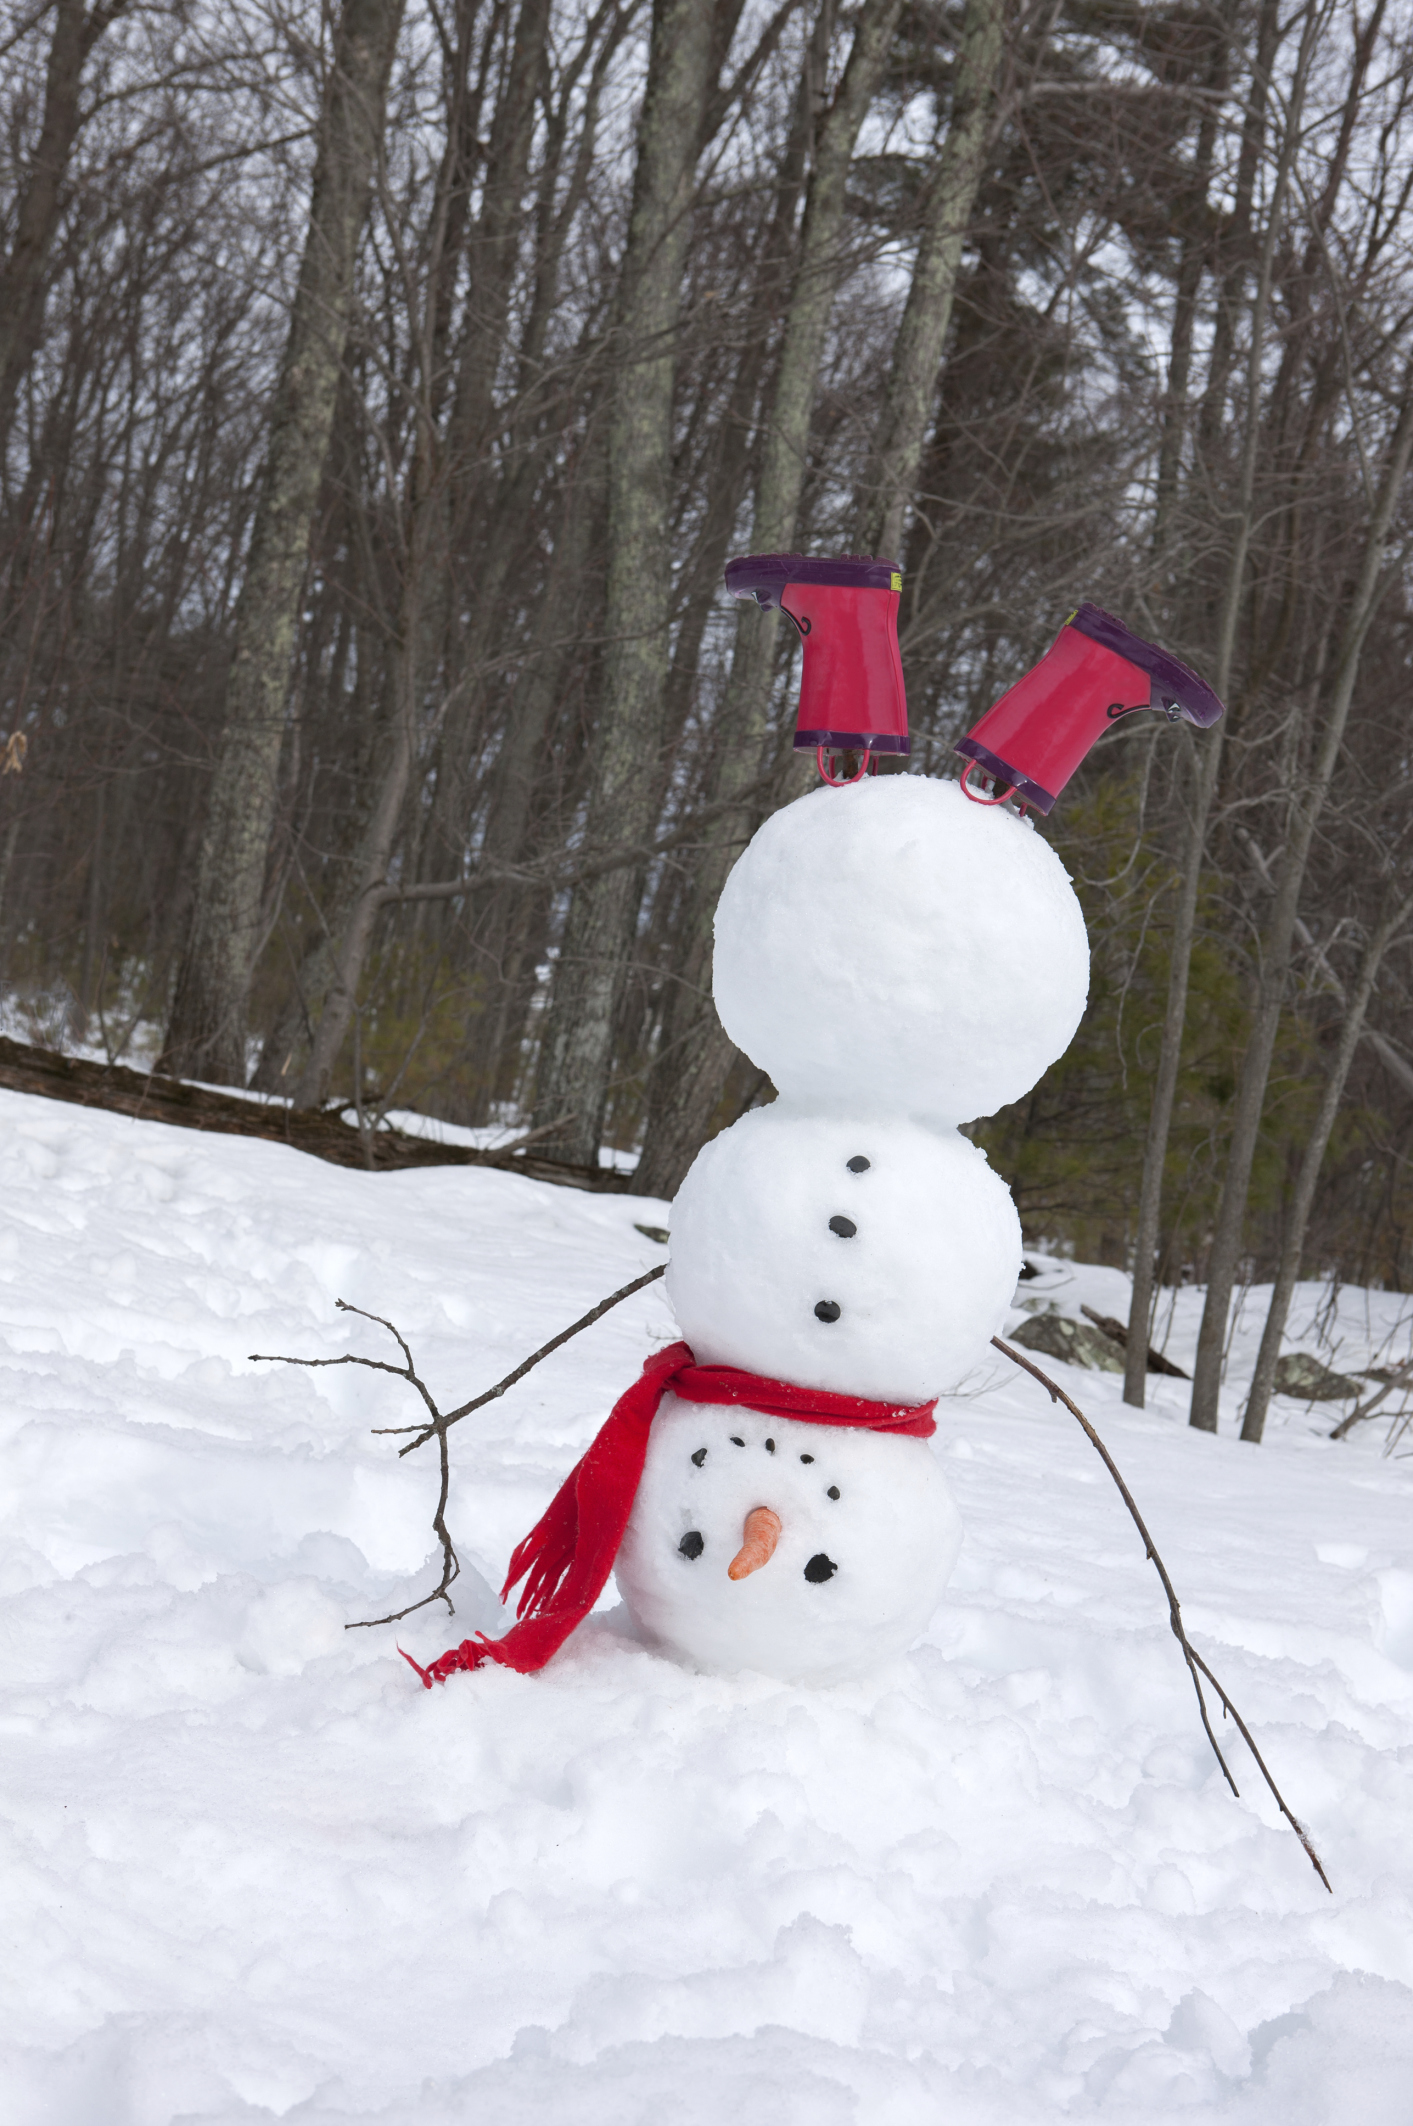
[1116, 1331]
[321, 1132]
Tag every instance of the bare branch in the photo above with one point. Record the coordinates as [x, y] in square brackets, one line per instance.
[1194, 1660]
[1399, 1378]
[585, 1321]
[451, 1564]
[533, 1136]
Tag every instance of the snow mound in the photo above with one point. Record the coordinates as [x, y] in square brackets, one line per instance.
[252, 1871]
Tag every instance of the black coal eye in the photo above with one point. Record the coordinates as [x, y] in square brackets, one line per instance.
[737, 1442]
[699, 1457]
[832, 1492]
[858, 1164]
[844, 1227]
[806, 1457]
[820, 1567]
[770, 1446]
[827, 1310]
[693, 1544]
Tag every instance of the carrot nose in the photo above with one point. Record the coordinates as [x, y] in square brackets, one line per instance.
[762, 1533]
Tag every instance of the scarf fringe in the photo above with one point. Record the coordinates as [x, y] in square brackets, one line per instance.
[544, 1558]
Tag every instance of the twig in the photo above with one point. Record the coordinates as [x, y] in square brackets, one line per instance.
[1399, 1378]
[451, 1564]
[585, 1321]
[437, 1429]
[1190, 1654]
[533, 1136]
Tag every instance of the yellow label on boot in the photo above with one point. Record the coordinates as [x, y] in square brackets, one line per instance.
[895, 581]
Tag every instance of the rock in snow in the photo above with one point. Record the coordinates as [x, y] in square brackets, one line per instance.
[1301, 1374]
[252, 1871]
[1056, 1336]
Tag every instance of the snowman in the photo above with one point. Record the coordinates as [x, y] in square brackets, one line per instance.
[900, 962]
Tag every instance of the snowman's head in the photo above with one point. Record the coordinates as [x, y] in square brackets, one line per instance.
[801, 1550]
[893, 947]
[870, 1256]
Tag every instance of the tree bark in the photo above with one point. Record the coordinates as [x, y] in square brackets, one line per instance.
[575, 1055]
[207, 1029]
[22, 283]
[478, 548]
[1160, 1116]
[1307, 802]
[334, 968]
[917, 351]
[696, 1052]
[1356, 1005]
[1193, 214]
[509, 928]
[354, 934]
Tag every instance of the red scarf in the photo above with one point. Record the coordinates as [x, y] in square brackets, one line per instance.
[568, 1555]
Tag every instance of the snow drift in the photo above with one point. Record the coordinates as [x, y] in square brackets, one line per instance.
[252, 1871]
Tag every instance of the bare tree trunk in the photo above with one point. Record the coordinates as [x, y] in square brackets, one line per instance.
[1194, 212]
[354, 934]
[575, 1056]
[325, 994]
[476, 532]
[90, 981]
[507, 931]
[1307, 802]
[206, 1031]
[497, 490]
[339, 959]
[1160, 1117]
[1356, 1005]
[917, 351]
[1233, 247]
[41, 202]
[697, 1055]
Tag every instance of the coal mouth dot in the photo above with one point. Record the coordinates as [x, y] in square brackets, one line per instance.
[844, 1227]
[832, 1492]
[699, 1457]
[827, 1310]
[820, 1568]
[806, 1457]
[693, 1544]
[858, 1164]
[770, 1446]
[737, 1442]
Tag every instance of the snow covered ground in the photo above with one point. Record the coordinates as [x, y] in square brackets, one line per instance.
[252, 1871]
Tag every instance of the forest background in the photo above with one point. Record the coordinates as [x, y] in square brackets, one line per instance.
[383, 386]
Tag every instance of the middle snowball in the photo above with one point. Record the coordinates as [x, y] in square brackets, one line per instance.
[872, 1256]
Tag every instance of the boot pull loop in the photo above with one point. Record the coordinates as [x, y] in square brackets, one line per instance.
[998, 798]
[843, 782]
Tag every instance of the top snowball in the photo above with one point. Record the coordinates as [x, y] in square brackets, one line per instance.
[891, 944]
